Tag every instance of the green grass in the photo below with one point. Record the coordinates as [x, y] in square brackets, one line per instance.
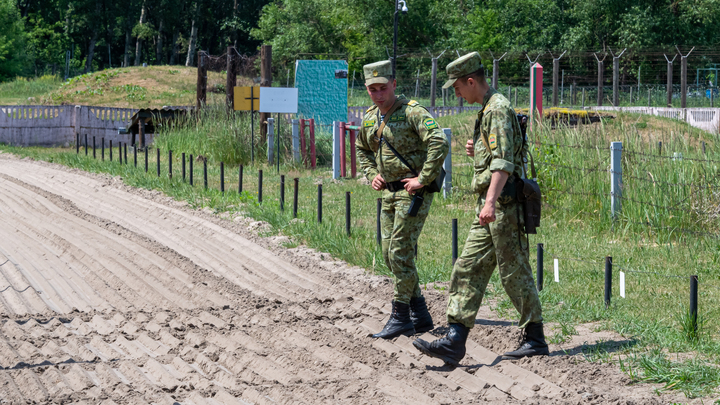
[27, 91]
[668, 245]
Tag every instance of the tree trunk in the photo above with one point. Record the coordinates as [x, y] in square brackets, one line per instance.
[138, 44]
[158, 52]
[175, 48]
[126, 57]
[91, 52]
[193, 36]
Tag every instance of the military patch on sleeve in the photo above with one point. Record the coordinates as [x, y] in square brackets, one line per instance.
[430, 124]
[492, 140]
[368, 124]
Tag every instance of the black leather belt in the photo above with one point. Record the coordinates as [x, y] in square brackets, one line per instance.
[394, 186]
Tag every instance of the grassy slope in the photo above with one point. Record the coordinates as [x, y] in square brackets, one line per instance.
[133, 87]
[574, 226]
[27, 91]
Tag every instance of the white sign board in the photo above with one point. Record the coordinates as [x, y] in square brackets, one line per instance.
[279, 100]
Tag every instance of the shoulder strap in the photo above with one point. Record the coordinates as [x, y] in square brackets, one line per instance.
[398, 103]
[399, 156]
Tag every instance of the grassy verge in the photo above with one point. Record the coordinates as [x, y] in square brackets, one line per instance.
[27, 91]
[664, 242]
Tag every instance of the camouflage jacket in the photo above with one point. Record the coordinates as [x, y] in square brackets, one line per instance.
[416, 136]
[498, 126]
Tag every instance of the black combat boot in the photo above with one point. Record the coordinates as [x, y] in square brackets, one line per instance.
[399, 322]
[420, 316]
[450, 349]
[532, 343]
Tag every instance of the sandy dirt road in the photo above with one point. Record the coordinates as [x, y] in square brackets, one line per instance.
[114, 295]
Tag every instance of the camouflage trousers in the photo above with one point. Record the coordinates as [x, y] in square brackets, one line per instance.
[501, 244]
[400, 233]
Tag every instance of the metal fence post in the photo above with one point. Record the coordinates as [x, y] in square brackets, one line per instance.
[540, 269]
[616, 178]
[336, 150]
[447, 165]
[608, 280]
[271, 140]
[296, 141]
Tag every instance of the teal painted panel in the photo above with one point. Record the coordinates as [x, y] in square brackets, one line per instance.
[322, 90]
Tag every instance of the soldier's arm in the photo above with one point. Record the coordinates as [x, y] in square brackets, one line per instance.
[365, 154]
[437, 145]
[501, 141]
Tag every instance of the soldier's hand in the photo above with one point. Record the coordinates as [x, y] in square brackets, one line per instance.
[378, 183]
[470, 148]
[411, 185]
[487, 214]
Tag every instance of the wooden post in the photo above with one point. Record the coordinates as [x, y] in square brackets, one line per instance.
[556, 73]
[496, 73]
[312, 144]
[600, 79]
[616, 78]
[265, 81]
[668, 83]
[231, 80]
[683, 81]
[433, 82]
[201, 80]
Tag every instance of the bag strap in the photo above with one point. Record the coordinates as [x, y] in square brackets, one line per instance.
[399, 156]
[532, 166]
[390, 112]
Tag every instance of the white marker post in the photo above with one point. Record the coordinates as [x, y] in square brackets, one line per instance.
[622, 284]
[557, 271]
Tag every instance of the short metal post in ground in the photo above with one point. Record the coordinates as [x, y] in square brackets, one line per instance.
[347, 213]
[260, 181]
[540, 275]
[120, 152]
[205, 182]
[94, 154]
[222, 177]
[125, 151]
[319, 204]
[703, 147]
[102, 150]
[694, 302]
[170, 164]
[282, 192]
[659, 148]
[454, 240]
[240, 179]
[110, 146]
[191, 170]
[135, 156]
[295, 197]
[146, 158]
[183, 166]
[158, 161]
[378, 231]
[608, 280]
[616, 176]
[77, 143]
[86, 145]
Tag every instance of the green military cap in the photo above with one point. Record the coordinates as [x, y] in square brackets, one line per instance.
[462, 66]
[378, 72]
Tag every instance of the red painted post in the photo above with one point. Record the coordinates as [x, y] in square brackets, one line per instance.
[536, 91]
[353, 166]
[302, 142]
[343, 170]
[312, 143]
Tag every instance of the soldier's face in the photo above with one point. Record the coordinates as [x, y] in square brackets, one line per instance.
[467, 89]
[382, 94]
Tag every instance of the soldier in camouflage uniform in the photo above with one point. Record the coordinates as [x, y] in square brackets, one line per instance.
[415, 135]
[497, 235]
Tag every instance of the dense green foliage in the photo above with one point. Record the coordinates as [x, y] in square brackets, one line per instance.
[38, 34]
